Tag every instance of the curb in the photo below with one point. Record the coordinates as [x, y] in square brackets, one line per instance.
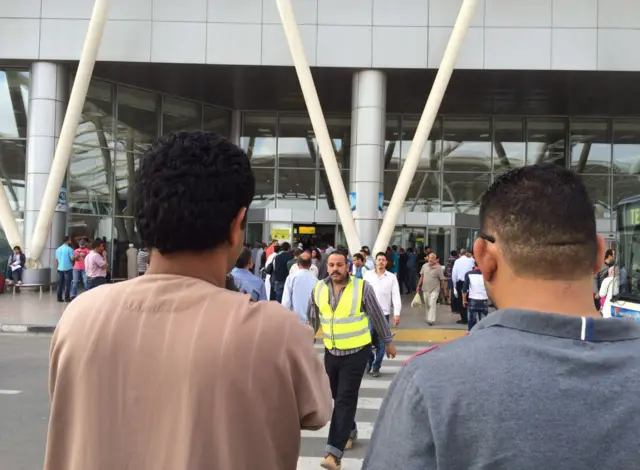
[27, 328]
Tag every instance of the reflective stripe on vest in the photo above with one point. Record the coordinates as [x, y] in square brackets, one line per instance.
[347, 327]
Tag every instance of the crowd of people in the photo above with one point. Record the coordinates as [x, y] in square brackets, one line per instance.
[174, 370]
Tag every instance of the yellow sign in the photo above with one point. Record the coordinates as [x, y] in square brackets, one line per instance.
[306, 230]
[280, 234]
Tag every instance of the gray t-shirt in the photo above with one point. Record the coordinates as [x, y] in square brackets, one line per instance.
[432, 278]
[524, 390]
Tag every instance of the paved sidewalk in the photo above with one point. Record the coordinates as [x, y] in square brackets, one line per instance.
[28, 311]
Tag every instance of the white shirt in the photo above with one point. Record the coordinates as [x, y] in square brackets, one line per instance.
[295, 268]
[462, 266]
[387, 291]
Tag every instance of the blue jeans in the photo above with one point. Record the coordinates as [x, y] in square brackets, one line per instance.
[64, 284]
[477, 310]
[279, 288]
[77, 274]
[375, 360]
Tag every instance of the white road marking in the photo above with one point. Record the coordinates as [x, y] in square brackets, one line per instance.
[10, 392]
[313, 463]
[368, 403]
[364, 431]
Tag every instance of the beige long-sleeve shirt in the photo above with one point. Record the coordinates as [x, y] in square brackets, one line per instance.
[172, 373]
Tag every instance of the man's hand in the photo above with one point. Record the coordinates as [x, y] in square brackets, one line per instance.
[391, 350]
[465, 303]
[396, 320]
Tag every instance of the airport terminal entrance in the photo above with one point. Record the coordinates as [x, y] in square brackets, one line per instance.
[311, 236]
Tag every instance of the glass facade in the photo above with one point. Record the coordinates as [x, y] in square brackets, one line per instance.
[118, 125]
[286, 160]
[14, 104]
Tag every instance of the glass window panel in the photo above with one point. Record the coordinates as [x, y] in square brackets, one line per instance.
[14, 103]
[297, 189]
[180, 115]
[626, 147]
[414, 238]
[462, 191]
[90, 176]
[440, 242]
[253, 235]
[12, 171]
[265, 189]
[339, 126]
[432, 152]
[96, 123]
[624, 187]
[509, 147]
[590, 146]
[423, 194]
[325, 197]
[296, 142]
[396, 237]
[217, 120]
[392, 143]
[465, 238]
[259, 138]
[599, 187]
[137, 130]
[546, 141]
[467, 145]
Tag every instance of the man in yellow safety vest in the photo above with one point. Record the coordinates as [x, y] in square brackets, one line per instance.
[343, 305]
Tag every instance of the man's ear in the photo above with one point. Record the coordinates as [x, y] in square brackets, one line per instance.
[600, 251]
[236, 231]
[485, 255]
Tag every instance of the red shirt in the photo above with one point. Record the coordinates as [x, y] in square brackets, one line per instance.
[81, 253]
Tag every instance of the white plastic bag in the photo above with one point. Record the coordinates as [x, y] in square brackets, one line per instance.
[417, 301]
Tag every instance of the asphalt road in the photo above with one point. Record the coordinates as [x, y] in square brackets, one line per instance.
[24, 400]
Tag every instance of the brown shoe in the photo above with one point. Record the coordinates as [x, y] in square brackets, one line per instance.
[354, 438]
[331, 462]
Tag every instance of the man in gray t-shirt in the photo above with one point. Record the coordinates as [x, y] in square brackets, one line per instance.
[544, 382]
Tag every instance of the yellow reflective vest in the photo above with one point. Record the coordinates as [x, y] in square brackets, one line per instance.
[348, 326]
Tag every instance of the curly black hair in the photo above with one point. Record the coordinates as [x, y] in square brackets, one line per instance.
[188, 189]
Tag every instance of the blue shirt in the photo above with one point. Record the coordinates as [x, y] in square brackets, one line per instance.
[297, 291]
[64, 253]
[249, 283]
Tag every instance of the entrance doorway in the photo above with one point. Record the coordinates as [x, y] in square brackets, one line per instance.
[314, 235]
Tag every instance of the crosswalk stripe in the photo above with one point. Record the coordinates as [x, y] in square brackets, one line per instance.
[308, 463]
[369, 403]
[364, 431]
[10, 392]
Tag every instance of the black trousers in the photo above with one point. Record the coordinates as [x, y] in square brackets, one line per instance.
[461, 309]
[345, 375]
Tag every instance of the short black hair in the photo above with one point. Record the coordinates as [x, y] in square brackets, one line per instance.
[544, 220]
[608, 253]
[381, 254]
[97, 243]
[244, 259]
[66, 239]
[358, 256]
[339, 253]
[297, 252]
[454, 253]
[188, 189]
[286, 246]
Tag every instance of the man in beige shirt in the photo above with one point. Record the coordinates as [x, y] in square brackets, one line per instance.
[170, 371]
[431, 280]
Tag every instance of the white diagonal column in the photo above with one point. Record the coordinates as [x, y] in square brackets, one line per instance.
[438, 89]
[368, 111]
[47, 104]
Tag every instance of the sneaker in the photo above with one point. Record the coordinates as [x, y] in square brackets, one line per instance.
[331, 462]
[19, 283]
[368, 369]
[375, 373]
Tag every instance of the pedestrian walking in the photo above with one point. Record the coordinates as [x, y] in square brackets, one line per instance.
[385, 286]
[544, 382]
[96, 266]
[461, 266]
[171, 370]
[299, 286]
[281, 270]
[343, 306]
[358, 268]
[431, 281]
[64, 265]
[474, 296]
